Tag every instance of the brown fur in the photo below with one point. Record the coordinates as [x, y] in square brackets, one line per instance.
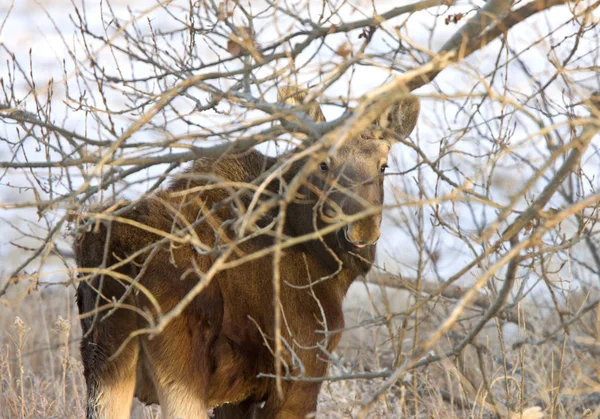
[210, 356]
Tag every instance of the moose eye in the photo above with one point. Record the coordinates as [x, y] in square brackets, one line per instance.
[323, 167]
[383, 167]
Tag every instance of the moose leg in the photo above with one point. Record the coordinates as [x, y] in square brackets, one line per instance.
[243, 410]
[110, 394]
[178, 361]
[178, 401]
[300, 400]
[110, 382]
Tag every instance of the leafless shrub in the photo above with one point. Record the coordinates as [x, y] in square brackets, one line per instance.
[484, 297]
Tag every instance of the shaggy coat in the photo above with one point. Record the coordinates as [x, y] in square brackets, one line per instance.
[140, 266]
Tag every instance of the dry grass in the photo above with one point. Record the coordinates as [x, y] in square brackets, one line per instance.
[41, 373]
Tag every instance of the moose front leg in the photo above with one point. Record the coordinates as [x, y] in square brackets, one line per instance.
[246, 410]
[299, 401]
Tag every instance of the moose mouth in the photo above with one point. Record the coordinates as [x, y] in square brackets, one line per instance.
[357, 245]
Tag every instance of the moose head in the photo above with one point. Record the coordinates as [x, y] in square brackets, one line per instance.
[349, 180]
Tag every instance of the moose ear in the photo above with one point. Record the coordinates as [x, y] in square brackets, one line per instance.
[401, 117]
[293, 95]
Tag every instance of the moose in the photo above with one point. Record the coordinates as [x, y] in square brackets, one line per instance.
[218, 353]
